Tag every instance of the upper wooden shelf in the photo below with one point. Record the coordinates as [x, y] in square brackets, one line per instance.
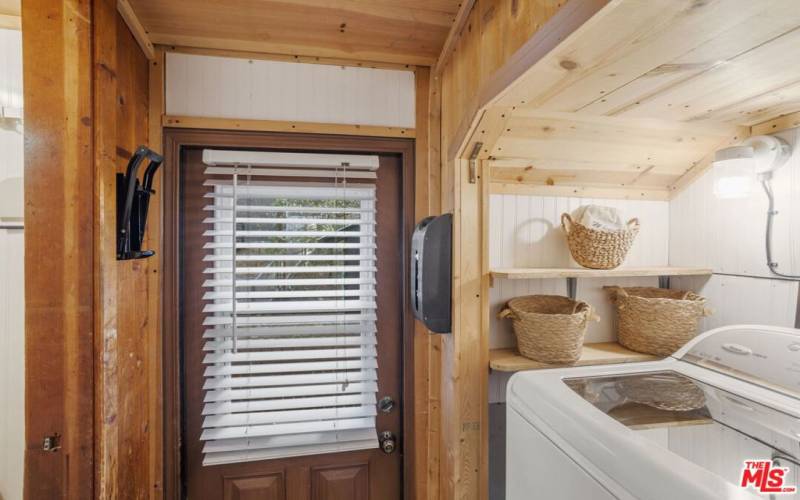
[634, 95]
[519, 273]
[601, 353]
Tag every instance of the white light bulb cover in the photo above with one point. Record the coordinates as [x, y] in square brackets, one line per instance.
[737, 168]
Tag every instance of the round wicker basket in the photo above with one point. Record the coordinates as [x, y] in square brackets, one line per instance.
[597, 249]
[656, 321]
[549, 328]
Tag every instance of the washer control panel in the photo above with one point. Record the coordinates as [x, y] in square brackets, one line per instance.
[767, 356]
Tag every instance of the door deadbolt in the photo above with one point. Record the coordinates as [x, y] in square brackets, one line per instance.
[386, 404]
[388, 442]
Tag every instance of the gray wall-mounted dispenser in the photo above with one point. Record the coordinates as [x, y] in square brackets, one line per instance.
[431, 272]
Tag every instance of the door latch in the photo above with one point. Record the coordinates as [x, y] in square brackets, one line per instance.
[51, 443]
[388, 442]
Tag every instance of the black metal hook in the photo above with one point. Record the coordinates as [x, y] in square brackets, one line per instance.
[133, 199]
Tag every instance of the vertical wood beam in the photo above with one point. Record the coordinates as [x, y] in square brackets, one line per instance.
[435, 344]
[107, 438]
[154, 238]
[57, 49]
[421, 334]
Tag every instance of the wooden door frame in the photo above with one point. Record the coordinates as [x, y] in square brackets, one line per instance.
[174, 141]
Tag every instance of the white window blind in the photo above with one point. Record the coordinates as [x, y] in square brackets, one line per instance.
[290, 305]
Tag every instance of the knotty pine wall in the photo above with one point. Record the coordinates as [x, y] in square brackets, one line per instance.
[12, 306]
[492, 31]
[228, 87]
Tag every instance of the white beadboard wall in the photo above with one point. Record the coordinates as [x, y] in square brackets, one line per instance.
[12, 353]
[525, 231]
[224, 87]
[728, 236]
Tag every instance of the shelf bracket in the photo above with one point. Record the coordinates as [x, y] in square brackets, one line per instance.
[572, 288]
[663, 282]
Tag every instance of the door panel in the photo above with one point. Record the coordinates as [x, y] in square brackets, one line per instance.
[365, 474]
[262, 487]
[340, 483]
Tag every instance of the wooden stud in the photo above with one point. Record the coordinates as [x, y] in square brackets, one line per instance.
[421, 334]
[8, 22]
[452, 36]
[197, 122]
[779, 124]
[153, 239]
[126, 11]
[59, 305]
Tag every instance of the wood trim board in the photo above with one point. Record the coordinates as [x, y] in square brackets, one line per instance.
[205, 123]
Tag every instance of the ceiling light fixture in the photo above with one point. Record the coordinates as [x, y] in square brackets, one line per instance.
[738, 168]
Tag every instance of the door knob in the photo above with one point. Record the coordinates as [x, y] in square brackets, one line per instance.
[386, 404]
[388, 442]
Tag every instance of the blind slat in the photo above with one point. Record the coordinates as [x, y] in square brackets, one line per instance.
[282, 417]
[297, 390]
[289, 208]
[305, 366]
[288, 354]
[316, 292]
[290, 282]
[315, 319]
[291, 269]
[290, 428]
[227, 407]
[339, 329]
[287, 380]
[290, 306]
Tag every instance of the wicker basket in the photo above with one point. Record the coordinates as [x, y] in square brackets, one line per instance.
[549, 328]
[597, 249]
[656, 321]
[665, 391]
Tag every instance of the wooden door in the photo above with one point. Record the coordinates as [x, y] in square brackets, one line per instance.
[354, 475]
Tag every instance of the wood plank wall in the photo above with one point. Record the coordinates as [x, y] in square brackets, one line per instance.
[493, 31]
[90, 321]
[57, 71]
[128, 300]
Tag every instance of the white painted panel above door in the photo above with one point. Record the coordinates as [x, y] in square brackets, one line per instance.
[226, 87]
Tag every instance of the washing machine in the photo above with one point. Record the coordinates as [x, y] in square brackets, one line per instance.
[719, 419]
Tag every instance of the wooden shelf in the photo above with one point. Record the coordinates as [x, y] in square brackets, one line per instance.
[601, 353]
[520, 273]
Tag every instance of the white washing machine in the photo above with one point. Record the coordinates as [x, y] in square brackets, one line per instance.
[679, 428]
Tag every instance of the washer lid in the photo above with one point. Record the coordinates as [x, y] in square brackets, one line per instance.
[763, 355]
[668, 399]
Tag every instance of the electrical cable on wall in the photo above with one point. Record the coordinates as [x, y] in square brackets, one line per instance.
[766, 182]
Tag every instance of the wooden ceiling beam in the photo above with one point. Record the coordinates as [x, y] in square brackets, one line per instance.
[452, 36]
[139, 33]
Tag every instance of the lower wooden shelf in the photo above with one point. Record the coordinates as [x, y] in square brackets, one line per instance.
[600, 353]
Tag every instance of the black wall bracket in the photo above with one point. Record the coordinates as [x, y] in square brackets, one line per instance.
[133, 199]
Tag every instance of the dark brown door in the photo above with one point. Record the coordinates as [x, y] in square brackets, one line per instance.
[353, 475]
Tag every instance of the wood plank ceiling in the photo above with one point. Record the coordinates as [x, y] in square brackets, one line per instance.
[642, 94]
[395, 31]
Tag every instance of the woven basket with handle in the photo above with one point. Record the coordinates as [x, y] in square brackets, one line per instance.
[656, 321]
[549, 328]
[598, 249]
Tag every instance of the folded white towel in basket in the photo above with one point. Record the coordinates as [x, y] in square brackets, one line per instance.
[599, 217]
